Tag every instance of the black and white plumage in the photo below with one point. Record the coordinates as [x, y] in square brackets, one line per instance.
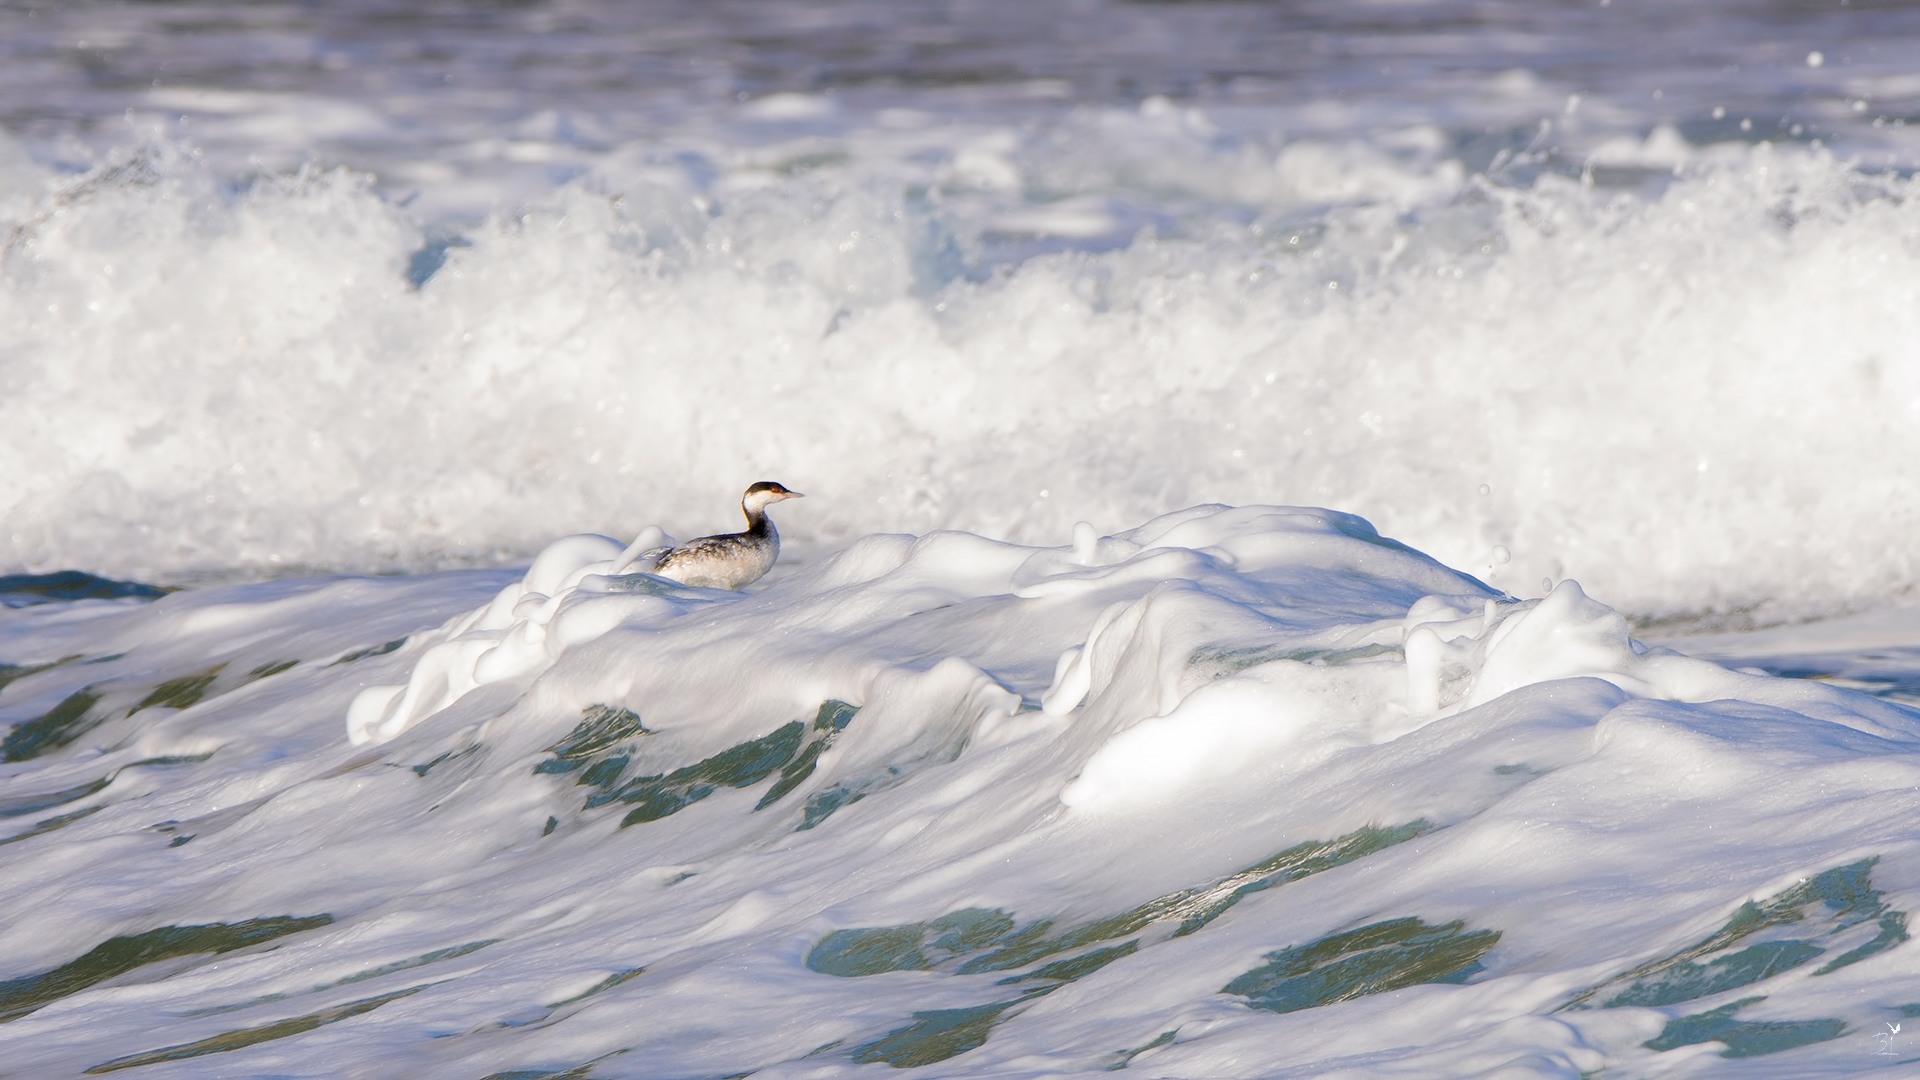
[729, 560]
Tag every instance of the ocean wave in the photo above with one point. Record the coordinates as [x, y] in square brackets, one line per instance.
[1688, 382]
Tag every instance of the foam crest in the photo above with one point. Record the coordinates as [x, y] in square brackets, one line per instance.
[1692, 393]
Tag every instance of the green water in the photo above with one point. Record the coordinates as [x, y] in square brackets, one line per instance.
[449, 953]
[832, 718]
[181, 693]
[578, 1072]
[601, 728]
[57, 727]
[77, 585]
[602, 747]
[981, 940]
[33, 804]
[1819, 908]
[465, 752]
[822, 804]
[975, 940]
[1076, 966]
[1370, 960]
[913, 947]
[1124, 1058]
[253, 1036]
[58, 821]
[1686, 981]
[22, 805]
[1198, 907]
[75, 715]
[1744, 1038]
[546, 1012]
[935, 1035]
[11, 672]
[655, 797]
[375, 650]
[607, 983]
[119, 955]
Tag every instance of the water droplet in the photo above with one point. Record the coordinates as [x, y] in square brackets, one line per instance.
[1501, 555]
[1816, 58]
[1485, 490]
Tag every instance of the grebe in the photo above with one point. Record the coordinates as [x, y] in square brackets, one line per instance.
[730, 560]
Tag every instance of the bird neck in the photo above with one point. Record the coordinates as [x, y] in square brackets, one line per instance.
[758, 523]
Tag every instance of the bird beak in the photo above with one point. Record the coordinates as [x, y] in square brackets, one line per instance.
[792, 495]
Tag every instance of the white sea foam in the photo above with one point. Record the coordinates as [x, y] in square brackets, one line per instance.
[687, 832]
[1695, 397]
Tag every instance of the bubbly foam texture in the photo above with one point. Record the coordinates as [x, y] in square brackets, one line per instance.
[1294, 793]
[1699, 397]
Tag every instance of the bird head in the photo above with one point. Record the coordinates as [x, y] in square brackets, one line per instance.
[766, 493]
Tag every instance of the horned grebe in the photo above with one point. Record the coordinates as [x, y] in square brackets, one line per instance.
[730, 560]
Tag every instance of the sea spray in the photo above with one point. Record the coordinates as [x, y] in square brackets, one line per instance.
[1692, 399]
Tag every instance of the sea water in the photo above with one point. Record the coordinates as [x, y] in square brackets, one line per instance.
[374, 288]
[1604, 313]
